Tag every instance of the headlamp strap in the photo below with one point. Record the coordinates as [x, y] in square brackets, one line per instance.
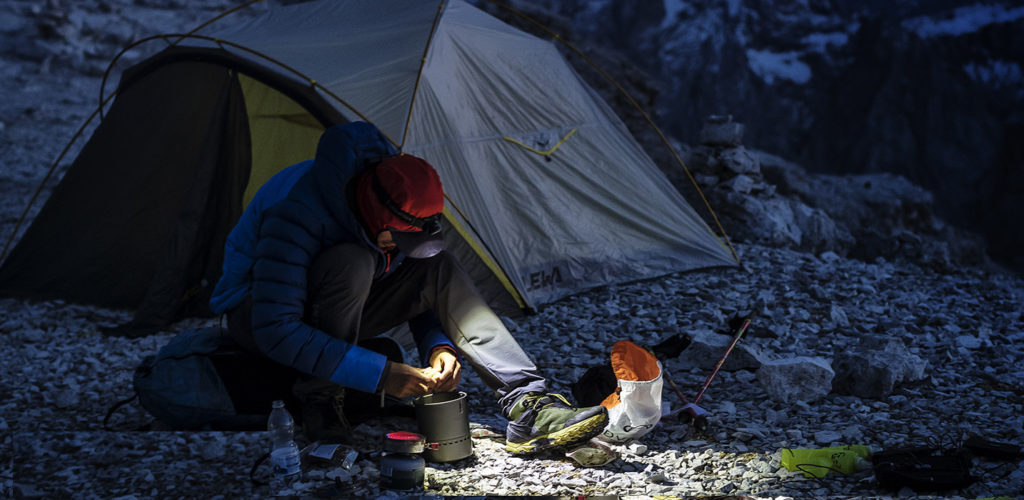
[428, 224]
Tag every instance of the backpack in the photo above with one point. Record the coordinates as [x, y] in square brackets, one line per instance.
[202, 380]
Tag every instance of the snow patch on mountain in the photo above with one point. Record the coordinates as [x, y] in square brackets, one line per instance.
[998, 74]
[806, 18]
[682, 42]
[771, 66]
[821, 42]
[963, 20]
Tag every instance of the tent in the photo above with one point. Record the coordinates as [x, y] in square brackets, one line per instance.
[547, 192]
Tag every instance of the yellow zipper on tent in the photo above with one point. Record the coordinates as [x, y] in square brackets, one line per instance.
[484, 256]
[542, 153]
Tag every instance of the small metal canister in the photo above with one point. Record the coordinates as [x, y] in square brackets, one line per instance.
[401, 466]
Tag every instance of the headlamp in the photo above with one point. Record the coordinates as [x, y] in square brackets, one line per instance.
[421, 244]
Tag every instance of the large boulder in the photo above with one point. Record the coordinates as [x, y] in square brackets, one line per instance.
[871, 216]
[856, 201]
[782, 222]
[750, 207]
[721, 131]
[800, 378]
[874, 369]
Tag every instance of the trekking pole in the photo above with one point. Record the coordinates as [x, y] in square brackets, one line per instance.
[739, 333]
[675, 387]
[671, 348]
[694, 414]
[698, 416]
[667, 349]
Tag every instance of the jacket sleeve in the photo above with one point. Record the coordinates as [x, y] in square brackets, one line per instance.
[238, 258]
[288, 242]
[426, 330]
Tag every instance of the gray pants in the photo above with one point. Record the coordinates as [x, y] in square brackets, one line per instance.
[345, 301]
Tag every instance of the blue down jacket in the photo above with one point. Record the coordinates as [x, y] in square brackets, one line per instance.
[298, 213]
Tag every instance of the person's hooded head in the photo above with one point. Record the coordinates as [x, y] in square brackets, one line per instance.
[402, 196]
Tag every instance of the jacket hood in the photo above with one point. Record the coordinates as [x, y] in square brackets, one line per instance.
[344, 151]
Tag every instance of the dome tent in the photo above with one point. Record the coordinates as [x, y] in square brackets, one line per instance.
[547, 192]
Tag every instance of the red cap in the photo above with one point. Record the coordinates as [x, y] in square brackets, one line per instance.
[411, 184]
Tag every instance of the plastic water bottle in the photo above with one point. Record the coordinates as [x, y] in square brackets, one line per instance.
[284, 453]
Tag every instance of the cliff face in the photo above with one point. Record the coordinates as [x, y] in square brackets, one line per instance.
[932, 91]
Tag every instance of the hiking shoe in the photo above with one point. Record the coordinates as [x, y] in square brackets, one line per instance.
[542, 421]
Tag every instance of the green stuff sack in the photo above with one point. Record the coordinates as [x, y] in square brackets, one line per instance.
[820, 461]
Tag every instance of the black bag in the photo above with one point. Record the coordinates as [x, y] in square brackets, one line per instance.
[923, 469]
[202, 380]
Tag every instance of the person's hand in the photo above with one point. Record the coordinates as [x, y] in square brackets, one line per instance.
[447, 368]
[404, 380]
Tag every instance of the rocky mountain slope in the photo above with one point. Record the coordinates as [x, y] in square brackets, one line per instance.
[873, 327]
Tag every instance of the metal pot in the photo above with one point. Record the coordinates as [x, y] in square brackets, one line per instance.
[444, 419]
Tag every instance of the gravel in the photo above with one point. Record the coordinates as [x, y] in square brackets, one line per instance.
[60, 375]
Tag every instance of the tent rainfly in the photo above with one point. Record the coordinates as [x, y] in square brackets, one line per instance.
[547, 192]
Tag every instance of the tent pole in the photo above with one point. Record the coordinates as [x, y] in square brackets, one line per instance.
[419, 73]
[221, 43]
[106, 74]
[219, 16]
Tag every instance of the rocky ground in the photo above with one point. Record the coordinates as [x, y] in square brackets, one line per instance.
[61, 375]
[915, 342]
